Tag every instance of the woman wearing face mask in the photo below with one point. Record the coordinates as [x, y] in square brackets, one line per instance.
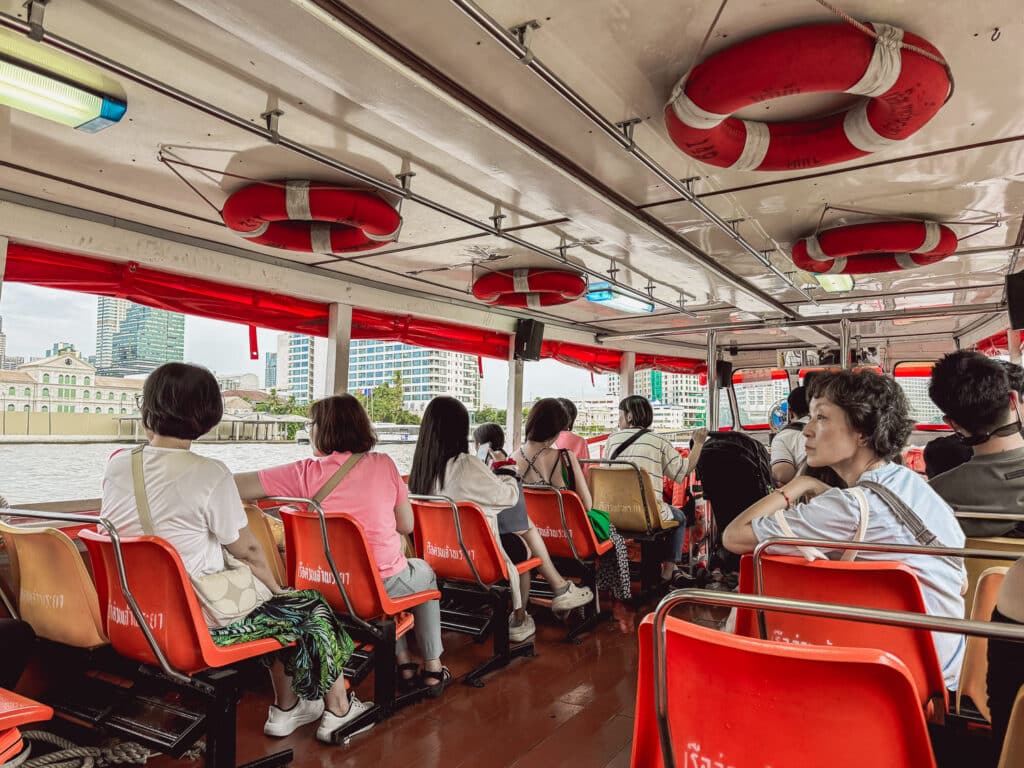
[859, 423]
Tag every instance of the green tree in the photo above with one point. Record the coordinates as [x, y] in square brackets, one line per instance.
[384, 403]
[488, 414]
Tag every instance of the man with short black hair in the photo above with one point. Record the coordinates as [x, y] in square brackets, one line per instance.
[979, 402]
[788, 446]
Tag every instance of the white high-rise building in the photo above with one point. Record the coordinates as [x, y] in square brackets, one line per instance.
[426, 373]
[3, 344]
[682, 391]
[109, 314]
[296, 367]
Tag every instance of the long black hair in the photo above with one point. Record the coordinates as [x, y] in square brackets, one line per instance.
[444, 434]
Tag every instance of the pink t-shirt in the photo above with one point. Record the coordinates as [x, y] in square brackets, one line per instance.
[369, 493]
[573, 443]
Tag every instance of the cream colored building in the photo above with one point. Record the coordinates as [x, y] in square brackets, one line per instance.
[65, 383]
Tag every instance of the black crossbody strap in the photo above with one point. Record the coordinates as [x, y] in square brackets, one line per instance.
[922, 534]
[626, 443]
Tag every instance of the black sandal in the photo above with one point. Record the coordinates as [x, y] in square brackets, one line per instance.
[441, 680]
[407, 684]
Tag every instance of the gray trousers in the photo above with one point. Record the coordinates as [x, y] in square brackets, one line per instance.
[418, 577]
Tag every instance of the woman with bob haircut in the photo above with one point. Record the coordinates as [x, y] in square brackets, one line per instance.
[374, 494]
[538, 460]
[859, 423]
[443, 466]
[194, 505]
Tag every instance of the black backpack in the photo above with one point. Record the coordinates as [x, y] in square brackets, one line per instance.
[735, 471]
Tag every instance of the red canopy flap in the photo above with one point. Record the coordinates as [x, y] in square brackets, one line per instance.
[248, 306]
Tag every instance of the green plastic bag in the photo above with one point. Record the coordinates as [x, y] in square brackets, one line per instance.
[600, 522]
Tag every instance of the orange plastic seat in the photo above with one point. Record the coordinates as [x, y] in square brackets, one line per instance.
[884, 585]
[374, 616]
[562, 522]
[56, 594]
[261, 528]
[457, 542]
[17, 711]
[736, 701]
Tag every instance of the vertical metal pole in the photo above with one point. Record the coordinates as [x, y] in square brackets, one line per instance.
[844, 343]
[514, 401]
[627, 374]
[3, 263]
[712, 420]
[1013, 342]
[339, 336]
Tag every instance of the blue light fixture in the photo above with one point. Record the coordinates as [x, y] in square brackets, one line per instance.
[609, 296]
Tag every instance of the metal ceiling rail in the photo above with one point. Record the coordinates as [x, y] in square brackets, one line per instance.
[623, 138]
[244, 124]
[854, 317]
[358, 25]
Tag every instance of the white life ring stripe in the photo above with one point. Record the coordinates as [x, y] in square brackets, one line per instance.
[320, 237]
[905, 261]
[258, 232]
[885, 65]
[692, 115]
[861, 133]
[932, 235]
[296, 200]
[754, 148]
[533, 301]
[521, 280]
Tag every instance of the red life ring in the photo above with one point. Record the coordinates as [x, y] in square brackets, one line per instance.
[533, 288]
[904, 90]
[311, 217]
[882, 246]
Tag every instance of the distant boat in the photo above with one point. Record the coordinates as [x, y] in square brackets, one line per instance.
[302, 437]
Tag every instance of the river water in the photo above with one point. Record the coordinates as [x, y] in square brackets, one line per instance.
[34, 473]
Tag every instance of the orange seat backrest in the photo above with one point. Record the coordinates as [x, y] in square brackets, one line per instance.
[55, 593]
[886, 585]
[737, 702]
[163, 592]
[260, 527]
[974, 672]
[437, 542]
[617, 491]
[543, 511]
[310, 569]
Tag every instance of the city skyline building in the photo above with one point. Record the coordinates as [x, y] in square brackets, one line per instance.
[238, 381]
[426, 373]
[146, 339]
[270, 370]
[58, 347]
[12, 361]
[65, 383]
[110, 312]
[296, 367]
[3, 345]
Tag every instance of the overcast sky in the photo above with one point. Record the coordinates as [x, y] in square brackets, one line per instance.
[35, 318]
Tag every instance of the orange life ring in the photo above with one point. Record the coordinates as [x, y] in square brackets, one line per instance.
[904, 90]
[311, 217]
[533, 288]
[881, 246]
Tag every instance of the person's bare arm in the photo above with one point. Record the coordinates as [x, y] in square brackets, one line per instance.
[247, 549]
[582, 490]
[782, 473]
[739, 538]
[700, 436]
[403, 517]
[249, 486]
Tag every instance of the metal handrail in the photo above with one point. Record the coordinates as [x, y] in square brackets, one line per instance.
[863, 546]
[561, 513]
[988, 516]
[122, 577]
[315, 505]
[907, 619]
[640, 483]
[458, 531]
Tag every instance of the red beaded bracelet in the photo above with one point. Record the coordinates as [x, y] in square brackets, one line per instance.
[788, 502]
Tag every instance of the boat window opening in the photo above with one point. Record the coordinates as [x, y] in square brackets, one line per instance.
[757, 390]
[913, 378]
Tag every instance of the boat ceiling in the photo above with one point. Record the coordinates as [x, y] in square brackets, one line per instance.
[387, 87]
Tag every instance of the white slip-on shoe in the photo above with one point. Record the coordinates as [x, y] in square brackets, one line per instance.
[330, 722]
[519, 633]
[573, 597]
[281, 722]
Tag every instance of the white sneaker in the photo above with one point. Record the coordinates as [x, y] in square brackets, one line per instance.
[330, 722]
[573, 597]
[281, 722]
[519, 633]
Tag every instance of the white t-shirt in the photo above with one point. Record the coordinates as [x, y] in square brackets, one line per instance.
[835, 515]
[788, 445]
[193, 501]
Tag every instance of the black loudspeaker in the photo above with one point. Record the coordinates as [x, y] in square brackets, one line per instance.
[723, 373]
[1015, 299]
[529, 335]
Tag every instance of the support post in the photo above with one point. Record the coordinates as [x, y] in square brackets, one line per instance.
[1013, 342]
[514, 401]
[844, 344]
[339, 336]
[712, 356]
[3, 264]
[627, 374]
